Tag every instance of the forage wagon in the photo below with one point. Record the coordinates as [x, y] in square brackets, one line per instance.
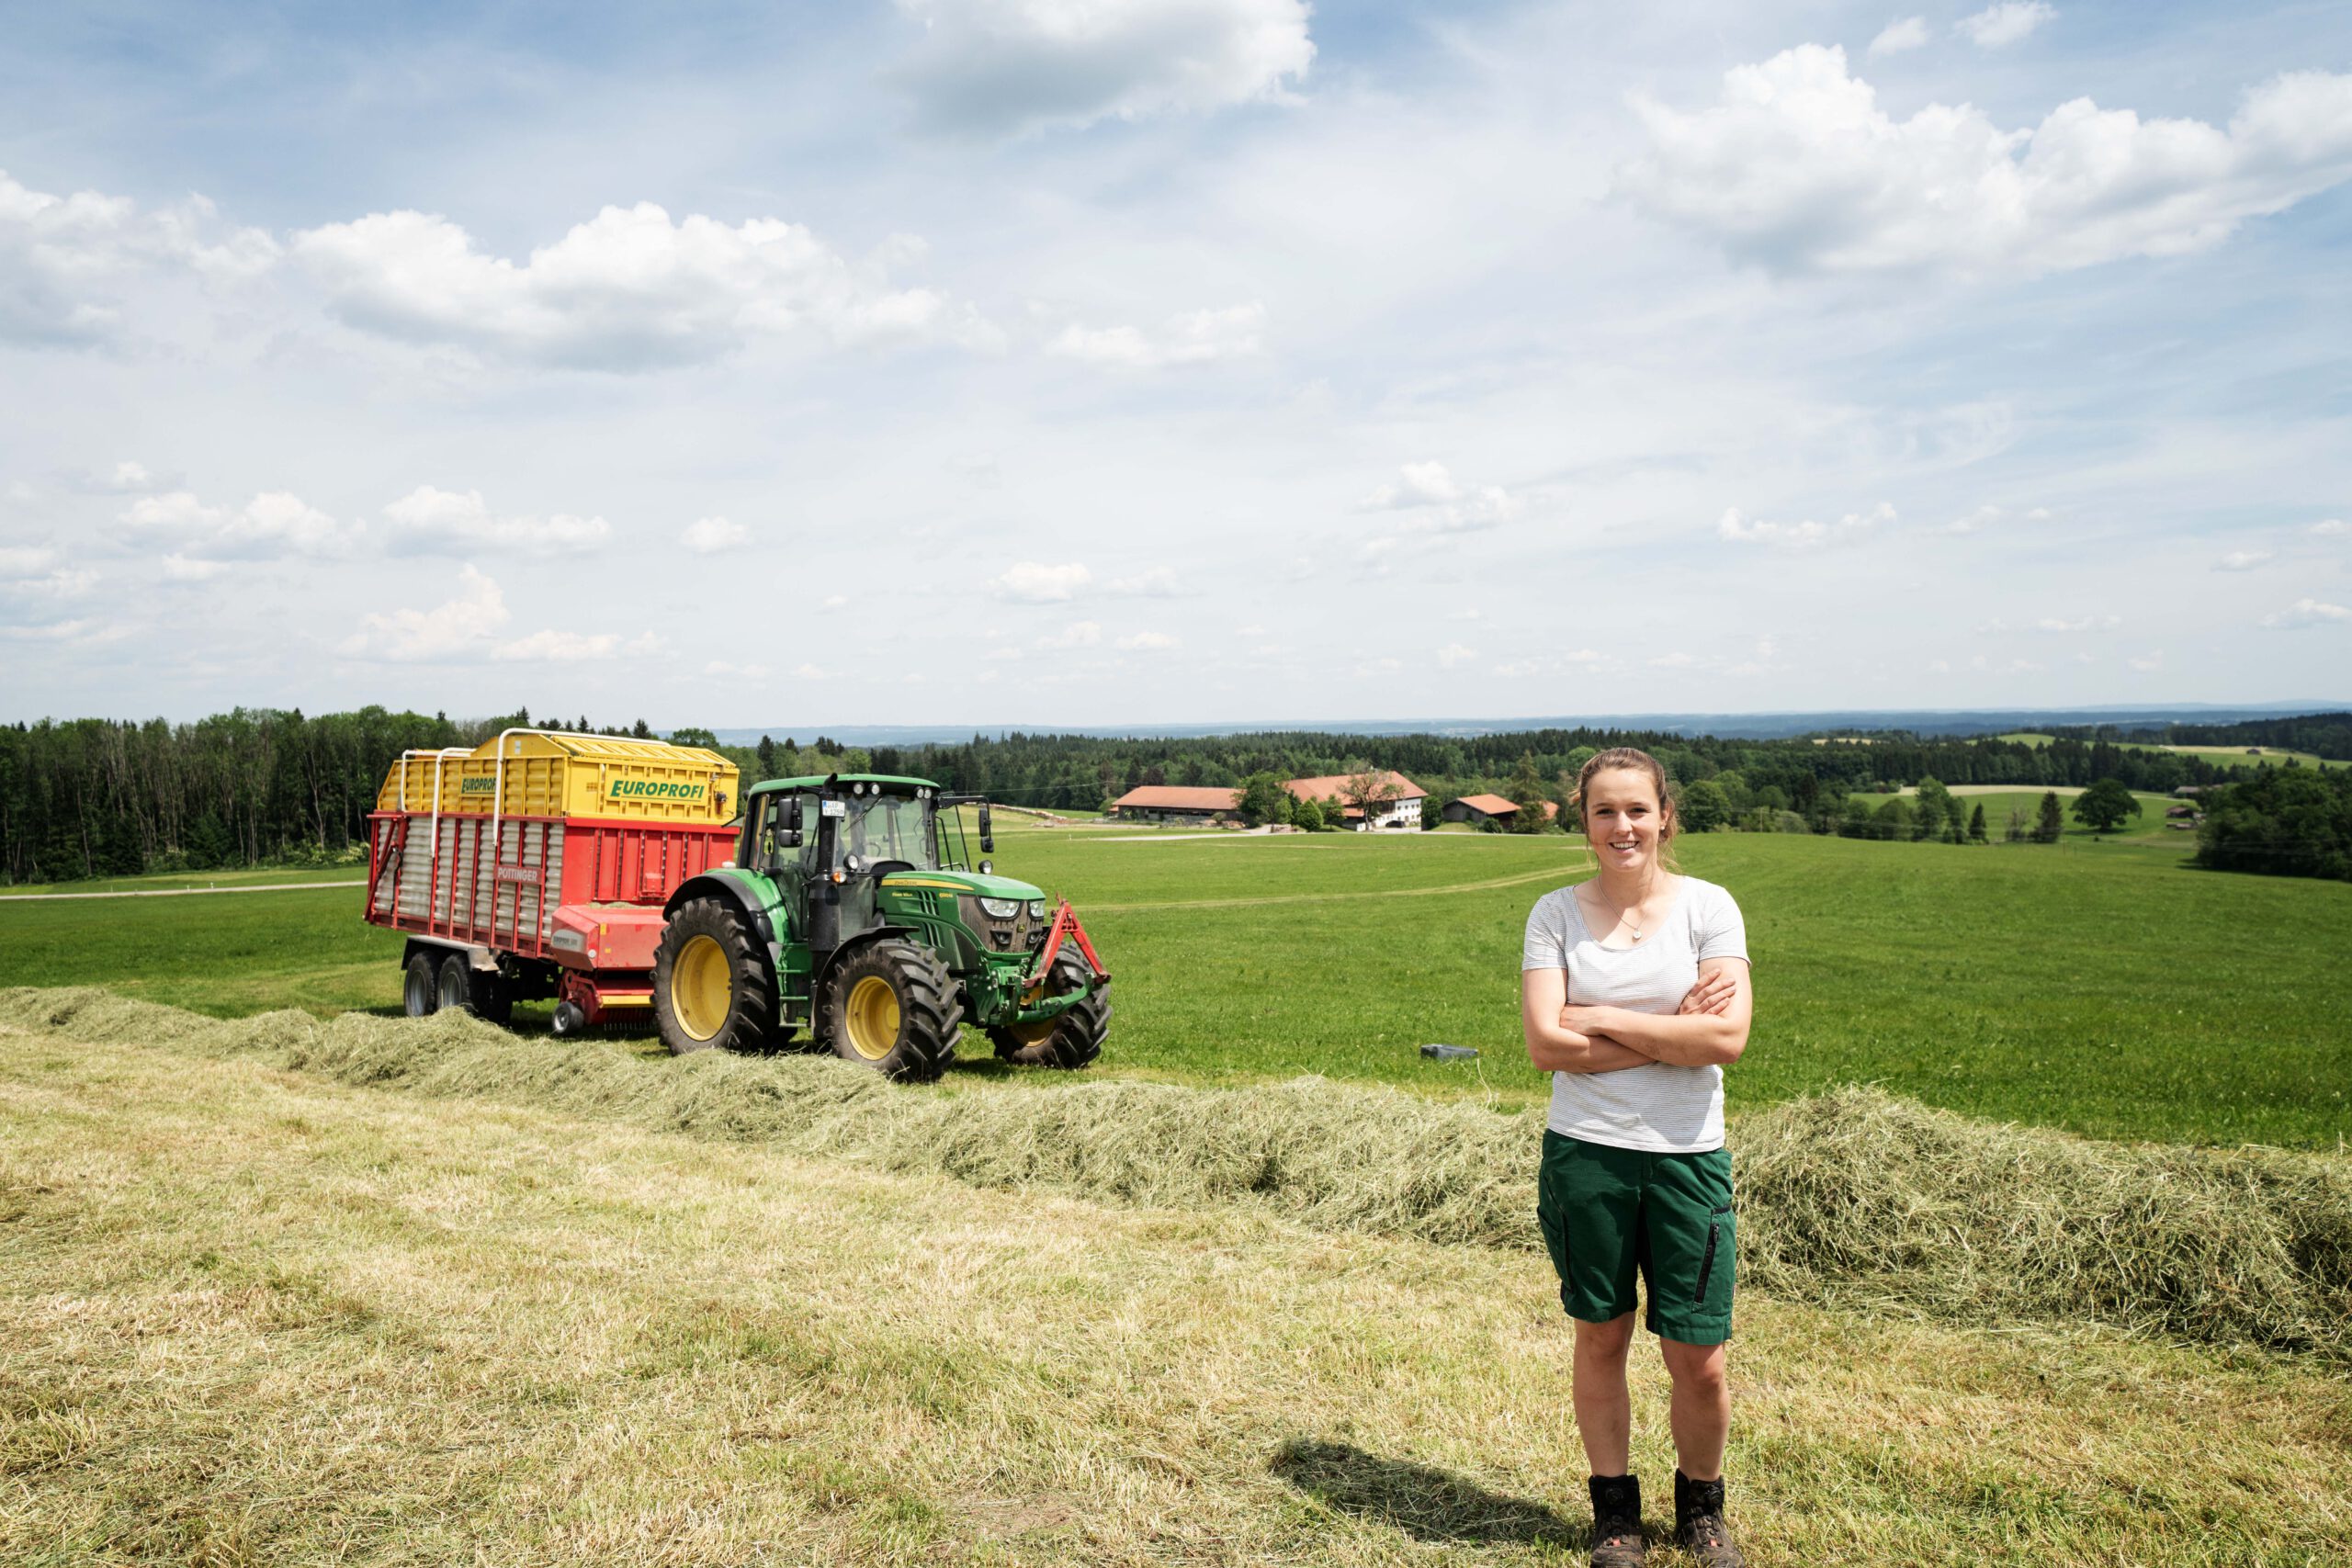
[625, 879]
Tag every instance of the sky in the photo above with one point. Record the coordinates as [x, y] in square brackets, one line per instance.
[1100, 362]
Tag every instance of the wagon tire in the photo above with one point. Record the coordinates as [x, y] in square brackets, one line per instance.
[1069, 1040]
[711, 984]
[420, 986]
[456, 991]
[890, 1005]
[493, 998]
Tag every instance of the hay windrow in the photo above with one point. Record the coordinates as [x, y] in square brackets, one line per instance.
[1854, 1196]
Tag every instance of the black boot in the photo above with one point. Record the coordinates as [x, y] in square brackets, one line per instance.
[1699, 1527]
[1617, 1538]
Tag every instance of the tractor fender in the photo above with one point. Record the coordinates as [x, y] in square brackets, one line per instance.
[850, 948]
[737, 891]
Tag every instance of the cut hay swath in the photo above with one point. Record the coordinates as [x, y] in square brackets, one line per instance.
[1851, 1197]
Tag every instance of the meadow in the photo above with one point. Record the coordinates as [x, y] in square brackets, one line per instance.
[2231, 756]
[2100, 986]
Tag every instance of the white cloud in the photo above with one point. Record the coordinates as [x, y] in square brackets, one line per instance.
[1194, 337]
[128, 478]
[1909, 33]
[65, 259]
[2330, 528]
[275, 525]
[1796, 168]
[1440, 503]
[714, 535]
[187, 568]
[629, 289]
[2007, 22]
[1146, 642]
[1001, 67]
[835, 601]
[742, 672]
[811, 673]
[1986, 516]
[427, 521]
[2147, 664]
[30, 573]
[19, 562]
[1077, 634]
[1453, 654]
[1036, 582]
[458, 627]
[2242, 560]
[2083, 624]
[1808, 534]
[2307, 613]
[1152, 582]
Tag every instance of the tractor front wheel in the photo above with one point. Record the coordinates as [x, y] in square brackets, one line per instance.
[891, 1006]
[711, 985]
[1068, 1039]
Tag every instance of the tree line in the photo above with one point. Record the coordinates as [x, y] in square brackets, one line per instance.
[98, 797]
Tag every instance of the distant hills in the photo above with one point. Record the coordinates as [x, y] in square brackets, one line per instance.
[1729, 726]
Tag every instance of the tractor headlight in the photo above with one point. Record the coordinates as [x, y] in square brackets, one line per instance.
[1001, 908]
[1037, 908]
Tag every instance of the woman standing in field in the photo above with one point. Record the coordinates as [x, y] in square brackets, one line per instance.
[1634, 989]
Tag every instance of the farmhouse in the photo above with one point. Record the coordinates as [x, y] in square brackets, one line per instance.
[1490, 808]
[1398, 802]
[1177, 803]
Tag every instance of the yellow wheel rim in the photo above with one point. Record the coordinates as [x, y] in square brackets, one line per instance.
[871, 1015]
[1033, 1033]
[702, 987]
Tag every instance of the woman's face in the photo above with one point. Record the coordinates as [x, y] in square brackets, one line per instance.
[1621, 818]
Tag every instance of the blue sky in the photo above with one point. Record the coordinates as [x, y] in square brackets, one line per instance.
[1038, 362]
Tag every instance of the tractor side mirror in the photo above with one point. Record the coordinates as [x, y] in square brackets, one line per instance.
[788, 832]
[987, 835]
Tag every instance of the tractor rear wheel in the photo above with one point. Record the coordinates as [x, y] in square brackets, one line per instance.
[711, 985]
[891, 1006]
[1068, 1039]
[420, 987]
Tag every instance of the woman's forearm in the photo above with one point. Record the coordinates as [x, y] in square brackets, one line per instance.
[1682, 1039]
[1565, 1051]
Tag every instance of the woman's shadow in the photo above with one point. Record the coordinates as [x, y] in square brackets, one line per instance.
[1426, 1503]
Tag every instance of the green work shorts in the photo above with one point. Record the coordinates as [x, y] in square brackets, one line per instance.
[1611, 1213]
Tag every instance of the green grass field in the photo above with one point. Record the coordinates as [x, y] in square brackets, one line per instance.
[2236, 757]
[2103, 987]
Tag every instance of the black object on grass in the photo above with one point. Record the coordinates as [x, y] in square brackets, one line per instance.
[1450, 1052]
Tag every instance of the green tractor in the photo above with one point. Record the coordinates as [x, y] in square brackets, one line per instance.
[854, 909]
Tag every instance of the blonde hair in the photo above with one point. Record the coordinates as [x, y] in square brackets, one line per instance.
[1639, 762]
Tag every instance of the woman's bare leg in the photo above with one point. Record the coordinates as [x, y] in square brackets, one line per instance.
[1702, 1409]
[1605, 1410]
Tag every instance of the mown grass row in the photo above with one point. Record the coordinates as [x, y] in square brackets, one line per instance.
[1853, 1197]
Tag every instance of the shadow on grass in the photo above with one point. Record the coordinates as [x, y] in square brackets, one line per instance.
[1426, 1503]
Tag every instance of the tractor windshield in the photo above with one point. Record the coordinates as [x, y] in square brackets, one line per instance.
[888, 827]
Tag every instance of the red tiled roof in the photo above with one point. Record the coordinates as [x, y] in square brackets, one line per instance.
[1177, 797]
[1496, 806]
[1337, 784]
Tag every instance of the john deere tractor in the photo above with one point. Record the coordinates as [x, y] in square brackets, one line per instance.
[854, 909]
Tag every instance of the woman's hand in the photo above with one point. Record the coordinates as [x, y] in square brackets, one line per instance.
[1713, 994]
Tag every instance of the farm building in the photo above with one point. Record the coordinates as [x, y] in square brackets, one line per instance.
[1490, 808]
[1401, 806]
[1176, 803]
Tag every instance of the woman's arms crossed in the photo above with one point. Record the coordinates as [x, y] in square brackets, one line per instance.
[1710, 1031]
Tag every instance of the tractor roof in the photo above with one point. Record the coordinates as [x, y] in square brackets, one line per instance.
[816, 781]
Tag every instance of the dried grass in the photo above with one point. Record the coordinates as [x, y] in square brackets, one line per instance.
[1854, 1197]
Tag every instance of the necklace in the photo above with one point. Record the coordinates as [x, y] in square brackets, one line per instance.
[1626, 916]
